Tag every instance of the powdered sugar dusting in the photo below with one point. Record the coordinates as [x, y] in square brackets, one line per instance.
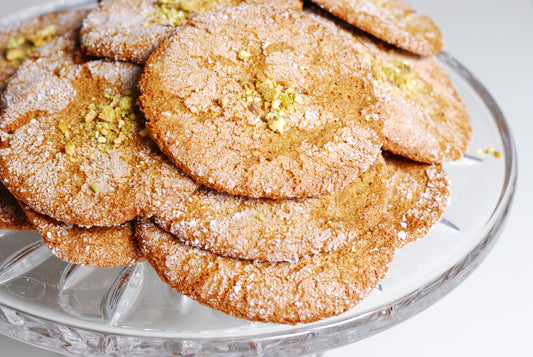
[39, 171]
[304, 291]
[278, 230]
[307, 159]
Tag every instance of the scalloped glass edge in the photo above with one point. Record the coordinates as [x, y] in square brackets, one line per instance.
[301, 339]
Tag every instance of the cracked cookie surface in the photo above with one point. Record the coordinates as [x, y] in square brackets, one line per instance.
[129, 30]
[392, 21]
[279, 230]
[246, 105]
[424, 118]
[77, 146]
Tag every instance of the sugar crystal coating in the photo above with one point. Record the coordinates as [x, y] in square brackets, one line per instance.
[279, 230]
[392, 21]
[332, 137]
[81, 184]
[129, 30]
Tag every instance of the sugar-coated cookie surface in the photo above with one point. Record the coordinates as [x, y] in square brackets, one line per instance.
[421, 194]
[60, 54]
[247, 105]
[313, 288]
[18, 41]
[102, 247]
[130, 30]
[11, 214]
[424, 118]
[278, 230]
[392, 21]
[77, 149]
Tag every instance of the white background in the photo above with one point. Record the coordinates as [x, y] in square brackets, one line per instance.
[489, 314]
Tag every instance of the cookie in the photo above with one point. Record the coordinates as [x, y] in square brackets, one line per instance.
[130, 30]
[102, 247]
[11, 215]
[310, 289]
[314, 287]
[246, 105]
[18, 41]
[421, 193]
[392, 21]
[424, 118]
[278, 230]
[79, 151]
[59, 55]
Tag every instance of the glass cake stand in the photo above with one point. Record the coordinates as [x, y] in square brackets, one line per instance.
[128, 311]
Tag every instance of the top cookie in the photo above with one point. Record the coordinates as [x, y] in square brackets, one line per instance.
[246, 105]
[78, 150]
[18, 42]
[392, 21]
[130, 30]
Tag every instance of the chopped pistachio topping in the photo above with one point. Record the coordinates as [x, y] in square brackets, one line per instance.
[144, 132]
[260, 217]
[244, 54]
[272, 100]
[490, 151]
[107, 122]
[398, 73]
[179, 12]
[70, 149]
[277, 124]
[93, 187]
[383, 3]
[20, 48]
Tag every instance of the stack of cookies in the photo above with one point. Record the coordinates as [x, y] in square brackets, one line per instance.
[266, 158]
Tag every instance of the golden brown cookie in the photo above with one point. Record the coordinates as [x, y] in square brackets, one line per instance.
[18, 41]
[79, 151]
[246, 105]
[278, 230]
[11, 215]
[424, 118]
[130, 30]
[421, 194]
[314, 287]
[392, 21]
[59, 55]
[102, 247]
[310, 289]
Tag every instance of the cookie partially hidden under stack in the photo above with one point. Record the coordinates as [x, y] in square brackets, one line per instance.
[266, 161]
[316, 286]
